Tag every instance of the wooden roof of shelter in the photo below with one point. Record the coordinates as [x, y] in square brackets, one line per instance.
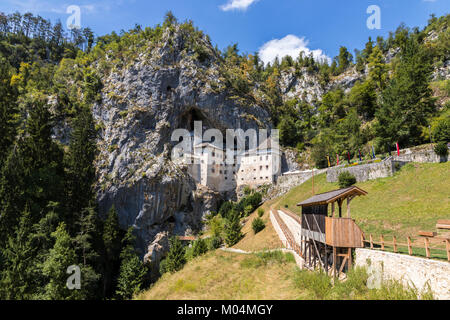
[332, 196]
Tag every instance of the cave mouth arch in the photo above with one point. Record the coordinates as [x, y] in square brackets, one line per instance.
[188, 118]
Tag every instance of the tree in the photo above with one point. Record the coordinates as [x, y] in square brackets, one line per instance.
[61, 256]
[344, 59]
[407, 101]
[33, 173]
[80, 166]
[8, 109]
[132, 270]
[377, 68]
[112, 245]
[18, 278]
[175, 259]
[233, 228]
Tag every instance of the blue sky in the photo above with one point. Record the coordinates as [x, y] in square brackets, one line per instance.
[319, 26]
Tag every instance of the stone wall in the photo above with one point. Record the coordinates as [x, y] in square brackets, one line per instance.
[288, 181]
[421, 154]
[412, 271]
[386, 168]
[367, 171]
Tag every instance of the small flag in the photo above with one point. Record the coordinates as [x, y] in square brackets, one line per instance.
[373, 152]
[398, 150]
[337, 157]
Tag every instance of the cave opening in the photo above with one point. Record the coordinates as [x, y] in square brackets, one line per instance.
[187, 119]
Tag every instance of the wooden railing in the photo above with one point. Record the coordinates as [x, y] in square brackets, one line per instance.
[288, 234]
[395, 245]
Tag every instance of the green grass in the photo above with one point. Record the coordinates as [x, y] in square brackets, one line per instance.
[412, 200]
[270, 275]
[320, 286]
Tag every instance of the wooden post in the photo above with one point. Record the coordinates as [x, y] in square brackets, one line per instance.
[395, 243]
[371, 242]
[427, 248]
[350, 262]
[332, 208]
[409, 246]
[348, 207]
[447, 244]
[362, 240]
[334, 262]
[382, 242]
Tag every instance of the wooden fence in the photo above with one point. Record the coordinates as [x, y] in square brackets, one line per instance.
[382, 244]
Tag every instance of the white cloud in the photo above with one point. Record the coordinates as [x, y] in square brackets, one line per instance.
[237, 5]
[290, 45]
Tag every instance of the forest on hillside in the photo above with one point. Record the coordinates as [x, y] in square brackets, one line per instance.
[48, 211]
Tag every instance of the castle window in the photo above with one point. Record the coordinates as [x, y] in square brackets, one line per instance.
[225, 172]
[220, 171]
[267, 157]
[267, 167]
[213, 154]
[226, 178]
[212, 170]
[260, 168]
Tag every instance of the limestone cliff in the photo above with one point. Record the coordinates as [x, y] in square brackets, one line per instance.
[166, 87]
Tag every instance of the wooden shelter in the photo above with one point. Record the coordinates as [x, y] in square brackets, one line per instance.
[327, 237]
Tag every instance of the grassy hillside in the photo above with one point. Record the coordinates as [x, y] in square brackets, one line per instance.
[222, 275]
[413, 199]
[266, 276]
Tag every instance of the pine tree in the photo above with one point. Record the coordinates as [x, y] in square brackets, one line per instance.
[33, 173]
[112, 237]
[85, 247]
[377, 68]
[80, 166]
[132, 270]
[407, 101]
[8, 109]
[61, 256]
[18, 278]
[233, 228]
[175, 259]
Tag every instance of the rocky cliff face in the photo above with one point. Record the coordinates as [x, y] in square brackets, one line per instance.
[164, 89]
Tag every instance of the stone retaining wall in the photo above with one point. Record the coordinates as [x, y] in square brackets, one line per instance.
[413, 271]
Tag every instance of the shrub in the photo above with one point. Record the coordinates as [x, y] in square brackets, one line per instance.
[215, 243]
[248, 210]
[216, 226]
[258, 225]
[441, 149]
[260, 212]
[225, 209]
[346, 179]
[442, 131]
[199, 248]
